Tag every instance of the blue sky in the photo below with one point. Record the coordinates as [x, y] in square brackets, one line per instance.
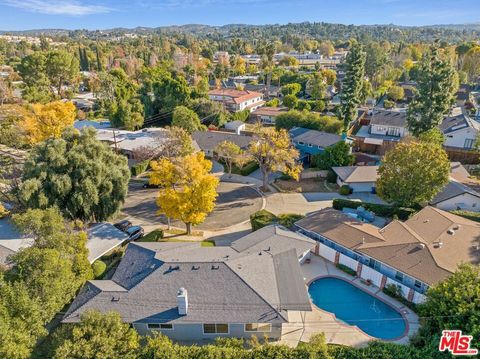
[101, 14]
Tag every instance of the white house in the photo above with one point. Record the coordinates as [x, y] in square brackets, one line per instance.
[237, 100]
[267, 115]
[358, 178]
[388, 123]
[460, 130]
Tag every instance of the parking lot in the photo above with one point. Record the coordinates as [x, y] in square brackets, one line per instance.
[235, 203]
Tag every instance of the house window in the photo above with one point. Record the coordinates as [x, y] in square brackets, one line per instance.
[468, 143]
[258, 327]
[399, 276]
[159, 326]
[372, 263]
[215, 329]
[418, 284]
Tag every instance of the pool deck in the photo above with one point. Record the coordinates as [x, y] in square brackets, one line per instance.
[302, 325]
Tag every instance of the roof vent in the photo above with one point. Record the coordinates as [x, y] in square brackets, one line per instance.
[215, 267]
[182, 301]
[437, 244]
[115, 299]
[456, 227]
[421, 246]
[195, 267]
[426, 221]
[451, 232]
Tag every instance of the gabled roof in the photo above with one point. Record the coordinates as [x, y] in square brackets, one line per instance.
[453, 189]
[429, 246]
[244, 283]
[458, 120]
[355, 174]
[314, 137]
[237, 96]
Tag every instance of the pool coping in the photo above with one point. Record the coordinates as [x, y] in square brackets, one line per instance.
[342, 323]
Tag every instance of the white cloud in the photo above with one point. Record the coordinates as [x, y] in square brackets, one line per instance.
[56, 7]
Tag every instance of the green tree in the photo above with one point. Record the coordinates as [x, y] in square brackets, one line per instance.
[61, 67]
[352, 86]
[185, 118]
[396, 93]
[454, 304]
[310, 120]
[413, 172]
[77, 173]
[436, 89]
[291, 89]
[96, 336]
[316, 86]
[228, 152]
[337, 155]
[290, 101]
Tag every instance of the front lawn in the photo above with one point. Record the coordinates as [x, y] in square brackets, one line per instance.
[305, 185]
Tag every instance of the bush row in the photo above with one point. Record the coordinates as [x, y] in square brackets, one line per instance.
[139, 168]
[381, 210]
[264, 218]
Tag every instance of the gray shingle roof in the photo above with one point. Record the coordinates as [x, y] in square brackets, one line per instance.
[389, 118]
[453, 189]
[208, 140]
[223, 284]
[314, 137]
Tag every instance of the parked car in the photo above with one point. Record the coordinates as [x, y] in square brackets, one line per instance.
[135, 232]
[123, 225]
[149, 185]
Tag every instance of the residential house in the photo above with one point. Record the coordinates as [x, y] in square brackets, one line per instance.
[358, 178]
[193, 293]
[312, 142]
[380, 130]
[237, 100]
[235, 126]
[413, 255]
[461, 192]
[267, 115]
[207, 141]
[460, 130]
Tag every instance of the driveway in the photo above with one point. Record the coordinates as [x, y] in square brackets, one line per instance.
[304, 203]
[235, 203]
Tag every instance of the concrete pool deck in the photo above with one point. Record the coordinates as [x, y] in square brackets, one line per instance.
[305, 324]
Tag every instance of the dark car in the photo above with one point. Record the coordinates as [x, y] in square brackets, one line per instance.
[134, 233]
[123, 225]
[149, 185]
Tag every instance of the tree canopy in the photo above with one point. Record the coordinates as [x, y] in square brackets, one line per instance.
[77, 173]
[412, 172]
[337, 155]
[185, 118]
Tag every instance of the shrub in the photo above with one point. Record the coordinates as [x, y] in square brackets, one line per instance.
[98, 268]
[395, 291]
[3, 211]
[344, 190]
[382, 210]
[264, 218]
[139, 168]
[153, 236]
[346, 269]
[273, 103]
[387, 104]
[331, 177]
[261, 219]
[249, 168]
[287, 220]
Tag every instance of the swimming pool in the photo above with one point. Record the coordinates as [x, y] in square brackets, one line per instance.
[356, 307]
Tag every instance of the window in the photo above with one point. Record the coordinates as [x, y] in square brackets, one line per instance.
[399, 276]
[258, 327]
[418, 284]
[468, 143]
[215, 329]
[393, 131]
[159, 326]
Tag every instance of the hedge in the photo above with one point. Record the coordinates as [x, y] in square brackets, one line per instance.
[264, 218]
[345, 190]
[381, 210]
[154, 236]
[248, 168]
[346, 269]
[139, 168]
[473, 216]
[98, 268]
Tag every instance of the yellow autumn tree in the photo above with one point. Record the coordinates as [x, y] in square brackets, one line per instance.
[273, 151]
[49, 120]
[187, 189]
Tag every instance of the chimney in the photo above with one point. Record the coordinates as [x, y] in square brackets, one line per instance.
[182, 301]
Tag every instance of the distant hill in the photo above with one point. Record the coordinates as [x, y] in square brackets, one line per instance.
[320, 30]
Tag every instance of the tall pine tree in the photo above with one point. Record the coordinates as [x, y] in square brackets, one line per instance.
[437, 84]
[353, 83]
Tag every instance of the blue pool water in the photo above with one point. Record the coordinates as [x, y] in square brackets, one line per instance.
[356, 307]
